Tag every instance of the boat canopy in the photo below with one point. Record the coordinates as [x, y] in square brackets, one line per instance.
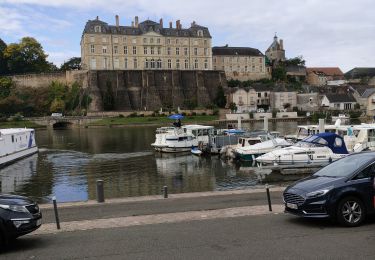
[331, 140]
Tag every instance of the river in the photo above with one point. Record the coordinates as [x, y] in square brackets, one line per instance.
[70, 161]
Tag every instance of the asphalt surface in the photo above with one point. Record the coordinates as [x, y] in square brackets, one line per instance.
[274, 236]
[159, 206]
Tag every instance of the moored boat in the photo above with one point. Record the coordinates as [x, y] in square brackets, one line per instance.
[319, 148]
[16, 143]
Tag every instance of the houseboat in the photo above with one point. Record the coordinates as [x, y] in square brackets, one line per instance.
[16, 143]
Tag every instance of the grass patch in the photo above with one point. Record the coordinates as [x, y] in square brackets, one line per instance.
[20, 124]
[150, 120]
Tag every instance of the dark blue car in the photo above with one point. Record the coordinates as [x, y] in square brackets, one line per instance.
[344, 191]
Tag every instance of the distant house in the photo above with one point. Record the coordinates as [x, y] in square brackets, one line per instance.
[308, 101]
[320, 76]
[296, 72]
[250, 98]
[338, 101]
[370, 106]
[283, 99]
[361, 93]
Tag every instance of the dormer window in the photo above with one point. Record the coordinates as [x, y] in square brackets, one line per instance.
[200, 33]
[98, 28]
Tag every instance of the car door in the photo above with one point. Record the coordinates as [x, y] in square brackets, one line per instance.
[363, 183]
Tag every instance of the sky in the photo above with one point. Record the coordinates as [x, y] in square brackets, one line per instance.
[339, 33]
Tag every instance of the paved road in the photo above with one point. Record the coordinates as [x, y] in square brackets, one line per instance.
[160, 206]
[275, 236]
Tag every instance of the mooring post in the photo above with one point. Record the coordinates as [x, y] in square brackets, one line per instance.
[100, 191]
[265, 123]
[56, 212]
[165, 192]
[321, 125]
[268, 198]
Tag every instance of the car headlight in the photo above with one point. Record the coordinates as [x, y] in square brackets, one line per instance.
[318, 193]
[15, 208]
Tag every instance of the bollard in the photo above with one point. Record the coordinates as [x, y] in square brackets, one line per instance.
[165, 192]
[268, 198]
[56, 212]
[100, 191]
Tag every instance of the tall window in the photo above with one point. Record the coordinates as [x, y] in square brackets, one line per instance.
[177, 64]
[186, 64]
[144, 50]
[196, 64]
[124, 39]
[115, 49]
[98, 28]
[168, 41]
[159, 50]
[152, 64]
[195, 51]
[158, 64]
[206, 64]
[144, 40]
[104, 49]
[116, 63]
[151, 40]
[177, 51]
[105, 62]
[158, 40]
[92, 48]
[125, 49]
[134, 50]
[185, 51]
[93, 63]
[169, 50]
[152, 50]
[135, 64]
[125, 63]
[169, 64]
[146, 64]
[205, 42]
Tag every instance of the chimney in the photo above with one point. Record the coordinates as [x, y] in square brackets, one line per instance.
[170, 25]
[193, 23]
[132, 23]
[161, 22]
[178, 24]
[97, 18]
[117, 21]
[281, 44]
[136, 22]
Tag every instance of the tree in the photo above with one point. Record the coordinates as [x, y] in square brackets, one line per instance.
[233, 106]
[296, 61]
[3, 61]
[220, 99]
[27, 56]
[72, 64]
[6, 85]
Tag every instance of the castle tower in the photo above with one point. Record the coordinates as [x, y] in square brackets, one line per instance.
[276, 52]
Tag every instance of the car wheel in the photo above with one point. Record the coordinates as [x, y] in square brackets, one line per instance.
[351, 212]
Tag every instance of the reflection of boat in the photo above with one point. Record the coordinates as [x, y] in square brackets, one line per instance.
[196, 151]
[249, 153]
[181, 139]
[319, 148]
[16, 175]
[16, 143]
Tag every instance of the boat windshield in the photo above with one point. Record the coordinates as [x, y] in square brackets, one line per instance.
[312, 141]
[345, 166]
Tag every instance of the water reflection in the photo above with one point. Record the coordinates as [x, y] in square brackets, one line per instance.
[71, 161]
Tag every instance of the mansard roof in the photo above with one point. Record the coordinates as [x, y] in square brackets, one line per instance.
[340, 98]
[233, 51]
[145, 27]
[328, 71]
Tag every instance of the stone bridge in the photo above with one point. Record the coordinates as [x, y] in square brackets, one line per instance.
[64, 121]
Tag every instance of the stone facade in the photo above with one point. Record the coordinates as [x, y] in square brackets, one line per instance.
[249, 99]
[308, 101]
[153, 89]
[278, 100]
[338, 101]
[145, 46]
[276, 52]
[320, 76]
[240, 63]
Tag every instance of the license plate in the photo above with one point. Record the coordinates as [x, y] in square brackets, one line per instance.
[292, 206]
[39, 222]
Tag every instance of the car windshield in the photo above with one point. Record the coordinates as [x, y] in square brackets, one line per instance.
[346, 166]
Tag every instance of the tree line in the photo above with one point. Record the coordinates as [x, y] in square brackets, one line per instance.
[28, 56]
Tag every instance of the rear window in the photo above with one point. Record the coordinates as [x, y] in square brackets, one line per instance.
[346, 166]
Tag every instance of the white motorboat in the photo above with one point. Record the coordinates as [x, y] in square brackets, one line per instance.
[249, 153]
[16, 143]
[182, 139]
[319, 148]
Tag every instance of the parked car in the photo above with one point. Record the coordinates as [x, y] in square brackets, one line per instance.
[18, 216]
[343, 191]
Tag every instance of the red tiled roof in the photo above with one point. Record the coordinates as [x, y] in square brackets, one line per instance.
[328, 71]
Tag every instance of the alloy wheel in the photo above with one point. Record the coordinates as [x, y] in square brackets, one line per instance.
[351, 212]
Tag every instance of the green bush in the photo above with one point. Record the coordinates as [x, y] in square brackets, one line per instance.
[193, 113]
[121, 116]
[133, 115]
[215, 112]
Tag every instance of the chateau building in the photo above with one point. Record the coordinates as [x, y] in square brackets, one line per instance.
[276, 52]
[240, 63]
[145, 46]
